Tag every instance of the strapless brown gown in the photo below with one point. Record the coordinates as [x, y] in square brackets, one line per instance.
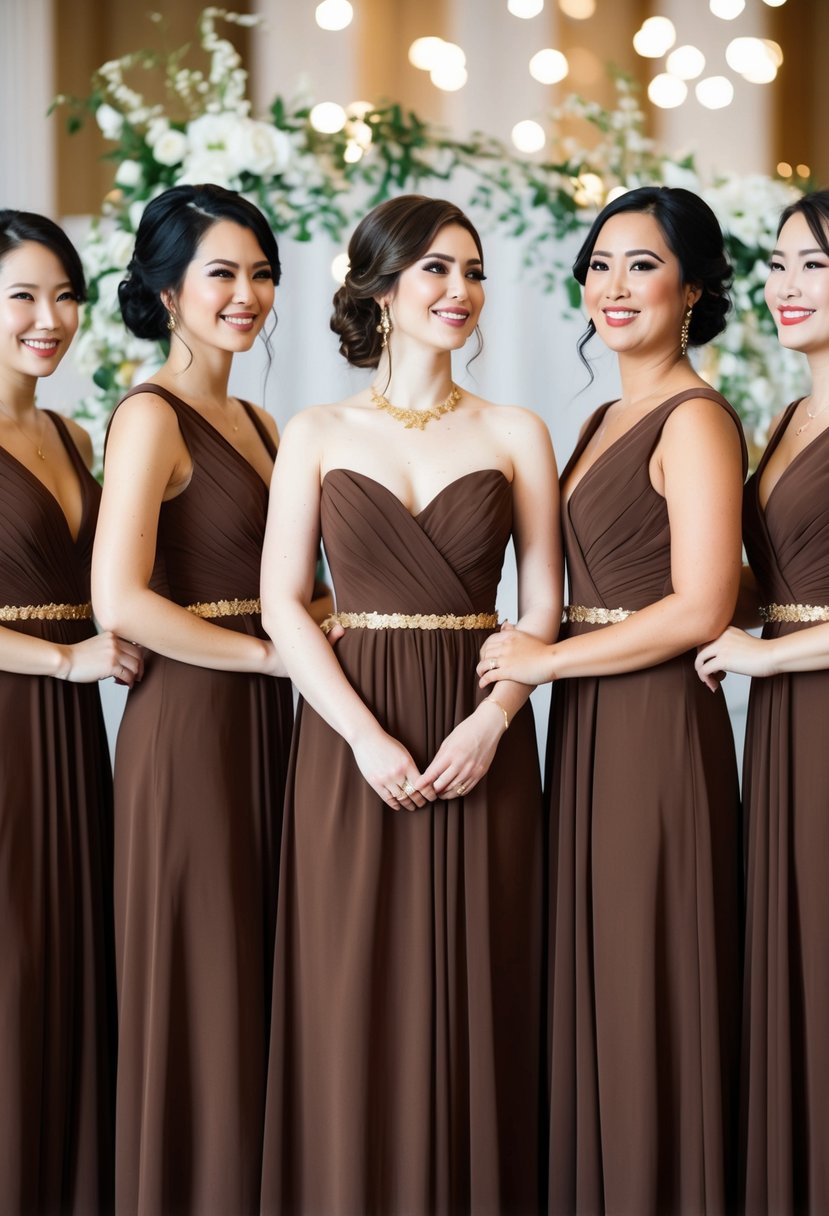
[785, 1078]
[404, 1067]
[645, 883]
[57, 971]
[199, 783]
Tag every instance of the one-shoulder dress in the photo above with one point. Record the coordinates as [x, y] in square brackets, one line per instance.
[199, 782]
[405, 1047]
[57, 971]
[785, 1076]
[645, 881]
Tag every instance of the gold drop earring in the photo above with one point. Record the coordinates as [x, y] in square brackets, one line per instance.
[384, 327]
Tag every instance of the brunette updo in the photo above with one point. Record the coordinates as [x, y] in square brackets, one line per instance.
[388, 240]
[693, 235]
[168, 236]
[814, 208]
[17, 227]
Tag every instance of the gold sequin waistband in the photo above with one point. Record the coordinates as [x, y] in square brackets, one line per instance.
[46, 612]
[577, 614]
[788, 613]
[401, 620]
[225, 608]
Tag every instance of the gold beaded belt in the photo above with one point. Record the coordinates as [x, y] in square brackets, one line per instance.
[577, 614]
[788, 613]
[401, 620]
[46, 612]
[225, 608]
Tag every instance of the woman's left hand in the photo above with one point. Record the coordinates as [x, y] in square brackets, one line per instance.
[513, 655]
[464, 756]
[734, 650]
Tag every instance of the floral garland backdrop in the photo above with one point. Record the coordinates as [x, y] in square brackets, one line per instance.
[308, 181]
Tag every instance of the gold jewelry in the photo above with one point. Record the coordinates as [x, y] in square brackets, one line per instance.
[810, 416]
[578, 614]
[497, 705]
[407, 787]
[461, 788]
[46, 612]
[384, 327]
[36, 444]
[492, 665]
[171, 322]
[215, 608]
[417, 418]
[402, 620]
[684, 332]
[790, 613]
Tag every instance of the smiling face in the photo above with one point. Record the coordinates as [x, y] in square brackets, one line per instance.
[438, 299]
[228, 290]
[38, 310]
[633, 290]
[797, 289]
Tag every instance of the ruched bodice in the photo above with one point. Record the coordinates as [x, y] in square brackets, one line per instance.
[445, 559]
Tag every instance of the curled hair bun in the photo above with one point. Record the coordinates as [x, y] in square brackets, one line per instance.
[354, 321]
[142, 310]
[708, 317]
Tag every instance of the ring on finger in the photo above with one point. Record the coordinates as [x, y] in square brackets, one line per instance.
[407, 787]
[492, 665]
[461, 788]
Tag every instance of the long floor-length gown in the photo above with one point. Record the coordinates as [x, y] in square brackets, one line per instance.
[199, 783]
[785, 1078]
[405, 1049]
[645, 882]
[57, 970]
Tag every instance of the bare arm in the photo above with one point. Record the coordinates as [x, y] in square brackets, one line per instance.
[699, 448]
[288, 565]
[466, 754]
[146, 457]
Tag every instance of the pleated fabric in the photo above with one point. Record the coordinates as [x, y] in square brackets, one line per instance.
[199, 782]
[785, 1076]
[645, 883]
[404, 1075]
[57, 976]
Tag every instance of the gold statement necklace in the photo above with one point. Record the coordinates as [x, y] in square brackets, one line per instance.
[810, 417]
[416, 418]
[37, 444]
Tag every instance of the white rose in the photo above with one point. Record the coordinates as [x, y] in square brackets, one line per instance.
[210, 131]
[257, 147]
[676, 175]
[119, 247]
[170, 148]
[208, 166]
[156, 128]
[109, 120]
[136, 210]
[129, 174]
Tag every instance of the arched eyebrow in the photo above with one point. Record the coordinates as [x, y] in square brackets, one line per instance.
[801, 253]
[34, 286]
[446, 257]
[629, 253]
[235, 265]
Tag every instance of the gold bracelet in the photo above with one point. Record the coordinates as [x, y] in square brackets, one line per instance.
[497, 705]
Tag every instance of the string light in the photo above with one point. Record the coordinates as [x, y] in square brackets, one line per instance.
[577, 10]
[655, 36]
[715, 92]
[334, 14]
[424, 53]
[754, 58]
[549, 66]
[667, 91]
[804, 171]
[726, 10]
[687, 62]
[784, 169]
[327, 117]
[525, 8]
[528, 136]
[588, 191]
[449, 76]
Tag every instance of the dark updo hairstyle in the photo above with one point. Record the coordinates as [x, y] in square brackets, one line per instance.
[168, 236]
[814, 208]
[17, 227]
[392, 237]
[693, 234]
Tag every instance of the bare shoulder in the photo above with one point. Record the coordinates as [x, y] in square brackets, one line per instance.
[81, 439]
[700, 417]
[519, 429]
[148, 409]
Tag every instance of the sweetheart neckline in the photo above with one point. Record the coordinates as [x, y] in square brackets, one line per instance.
[416, 514]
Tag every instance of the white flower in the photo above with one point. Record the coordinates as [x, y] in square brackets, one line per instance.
[135, 212]
[119, 248]
[129, 174]
[208, 166]
[210, 131]
[677, 176]
[171, 147]
[258, 147]
[109, 120]
[156, 128]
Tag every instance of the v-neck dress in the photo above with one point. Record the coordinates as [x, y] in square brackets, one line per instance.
[199, 781]
[644, 879]
[57, 969]
[785, 1076]
[404, 1074]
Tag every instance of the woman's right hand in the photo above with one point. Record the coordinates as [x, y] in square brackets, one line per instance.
[102, 656]
[389, 770]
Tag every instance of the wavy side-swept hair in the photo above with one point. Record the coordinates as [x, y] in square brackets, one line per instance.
[814, 208]
[17, 227]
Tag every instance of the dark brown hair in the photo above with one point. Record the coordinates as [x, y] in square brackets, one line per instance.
[388, 240]
[814, 208]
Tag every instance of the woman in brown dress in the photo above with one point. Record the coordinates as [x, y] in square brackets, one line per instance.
[404, 1074]
[199, 770]
[642, 787]
[785, 1077]
[57, 978]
